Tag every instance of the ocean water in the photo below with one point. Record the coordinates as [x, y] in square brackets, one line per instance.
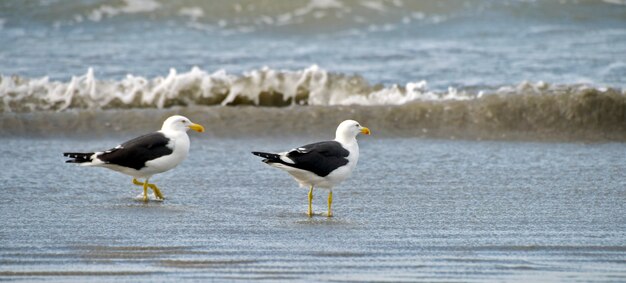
[437, 210]
[497, 152]
[93, 54]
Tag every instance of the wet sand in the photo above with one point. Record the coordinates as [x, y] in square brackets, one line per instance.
[415, 210]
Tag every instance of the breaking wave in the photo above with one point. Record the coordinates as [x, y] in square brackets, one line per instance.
[266, 98]
[264, 87]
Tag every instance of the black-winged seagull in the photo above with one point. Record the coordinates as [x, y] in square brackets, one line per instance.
[144, 156]
[322, 164]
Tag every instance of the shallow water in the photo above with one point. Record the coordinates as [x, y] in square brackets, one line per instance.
[414, 210]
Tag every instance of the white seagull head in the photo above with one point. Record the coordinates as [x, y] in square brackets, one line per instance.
[348, 130]
[179, 123]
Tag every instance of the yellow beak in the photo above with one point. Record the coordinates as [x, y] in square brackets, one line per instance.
[365, 131]
[196, 127]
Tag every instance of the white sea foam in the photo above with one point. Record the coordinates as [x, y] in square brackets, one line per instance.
[265, 87]
[617, 2]
[319, 5]
[311, 86]
[194, 13]
[129, 7]
[374, 5]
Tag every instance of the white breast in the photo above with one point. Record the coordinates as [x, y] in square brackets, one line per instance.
[344, 172]
[180, 144]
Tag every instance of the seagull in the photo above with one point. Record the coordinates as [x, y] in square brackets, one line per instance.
[144, 156]
[322, 164]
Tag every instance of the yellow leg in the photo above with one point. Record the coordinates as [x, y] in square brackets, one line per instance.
[330, 203]
[156, 190]
[145, 188]
[145, 191]
[310, 212]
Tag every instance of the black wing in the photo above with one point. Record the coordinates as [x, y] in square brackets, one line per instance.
[320, 158]
[134, 153]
